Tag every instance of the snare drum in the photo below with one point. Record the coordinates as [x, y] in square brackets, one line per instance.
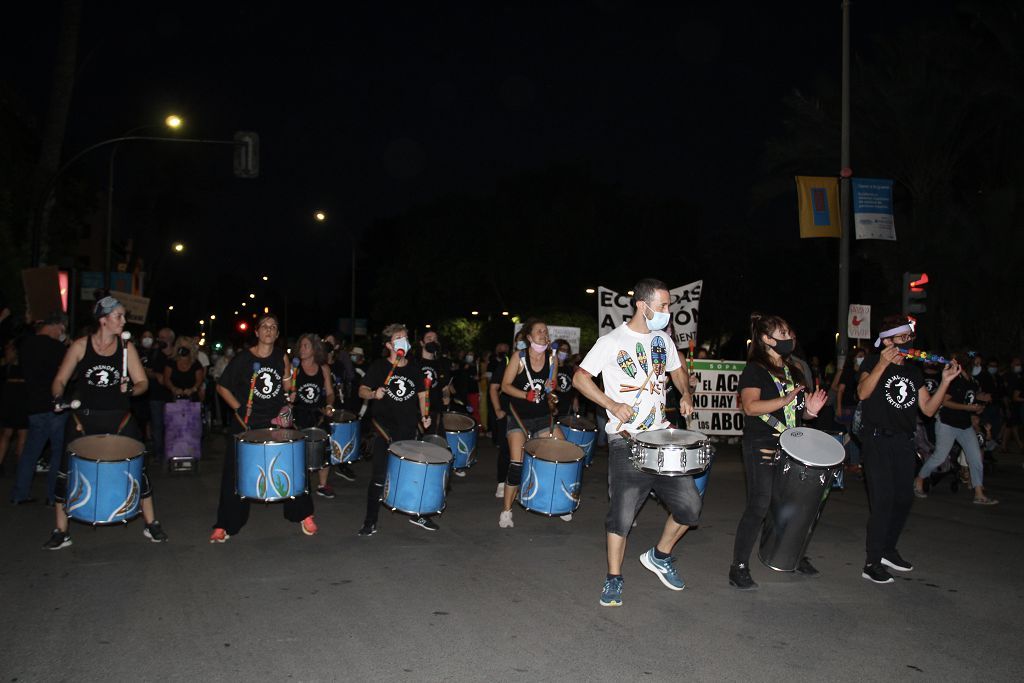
[345, 435]
[552, 474]
[582, 432]
[461, 432]
[807, 464]
[671, 452]
[318, 448]
[105, 479]
[271, 464]
[417, 477]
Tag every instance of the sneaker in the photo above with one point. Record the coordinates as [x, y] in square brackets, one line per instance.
[460, 472]
[919, 493]
[611, 594]
[369, 529]
[805, 568]
[308, 526]
[58, 539]
[986, 501]
[877, 574]
[219, 536]
[154, 532]
[566, 518]
[500, 491]
[42, 467]
[505, 519]
[739, 577]
[664, 569]
[424, 523]
[892, 560]
[325, 491]
[345, 471]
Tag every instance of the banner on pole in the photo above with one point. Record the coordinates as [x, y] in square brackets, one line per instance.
[818, 204]
[716, 402]
[872, 209]
[569, 334]
[613, 309]
[859, 322]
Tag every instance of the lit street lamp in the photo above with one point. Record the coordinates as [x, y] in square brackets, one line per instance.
[178, 247]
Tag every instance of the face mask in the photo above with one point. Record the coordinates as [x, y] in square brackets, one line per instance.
[354, 359]
[562, 356]
[469, 358]
[784, 347]
[975, 371]
[401, 345]
[432, 347]
[63, 338]
[856, 361]
[658, 322]
[539, 348]
[182, 352]
[147, 342]
[992, 370]
[520, 345]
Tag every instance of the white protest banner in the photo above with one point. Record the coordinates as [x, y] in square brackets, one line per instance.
[135, 307]
[613, 309]
[716, 408]
[859, 322]
[872, 209]
[569, 334]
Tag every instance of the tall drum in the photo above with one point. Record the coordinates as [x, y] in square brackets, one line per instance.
[417, 477]
[345, 436]
[582, 432]
[104, 479]
[808, 462]
[271, 464]
[461, 432]
[552, 474]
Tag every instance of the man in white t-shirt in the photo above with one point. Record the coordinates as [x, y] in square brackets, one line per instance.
[636, 361]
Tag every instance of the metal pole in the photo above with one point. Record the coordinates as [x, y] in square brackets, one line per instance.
[844, 193]
[352, 311]
[110, 219]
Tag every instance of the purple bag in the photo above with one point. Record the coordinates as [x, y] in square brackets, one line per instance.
[183, 430]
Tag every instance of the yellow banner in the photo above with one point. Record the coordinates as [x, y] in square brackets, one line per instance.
[818, 202]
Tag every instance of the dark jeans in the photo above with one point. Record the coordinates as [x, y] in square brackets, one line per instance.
[375, 491]
[760, 478]
[501, 441]
[889, 464]
[42, 427]
[628, 488]
[156, 427]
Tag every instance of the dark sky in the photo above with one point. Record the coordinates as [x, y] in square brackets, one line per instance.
[367, 109]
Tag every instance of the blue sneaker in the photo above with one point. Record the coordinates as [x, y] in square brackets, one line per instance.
[665, 569]
[611, 596]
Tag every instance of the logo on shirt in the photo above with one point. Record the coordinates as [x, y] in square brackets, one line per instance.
[430, 375]
[102, 376]
[400, 388]
[268, 383]
[564, 383]
[900, 392]
[309, 392]
[969, 397]
[534, 385]
[931, 385]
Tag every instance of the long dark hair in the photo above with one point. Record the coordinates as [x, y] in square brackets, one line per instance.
[758, 353]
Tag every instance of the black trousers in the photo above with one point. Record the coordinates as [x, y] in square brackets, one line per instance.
[375, 491]
[760, 471]
[498, 435]
[889, 467]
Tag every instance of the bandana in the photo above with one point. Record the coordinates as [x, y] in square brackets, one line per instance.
[105, 307]
[902, 329]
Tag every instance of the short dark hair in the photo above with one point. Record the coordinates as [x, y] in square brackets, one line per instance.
[644, 289]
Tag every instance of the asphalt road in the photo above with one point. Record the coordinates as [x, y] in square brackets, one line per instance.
[473, 602]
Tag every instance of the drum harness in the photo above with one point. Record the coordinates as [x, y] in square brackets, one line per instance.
[789, 412]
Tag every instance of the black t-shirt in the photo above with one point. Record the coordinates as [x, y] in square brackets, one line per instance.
[961, 390]
[184, 379]
[310, 397]
[156, 362]
[893, 405]
[848, 378]
[40, 357]
[268, 395]
[564, 389]
[399, 408]
[528, 379]
[756, 376]
[436, 371]
[496, 369]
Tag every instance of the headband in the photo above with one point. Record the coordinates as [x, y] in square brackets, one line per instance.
[902, 329]
[105, 306]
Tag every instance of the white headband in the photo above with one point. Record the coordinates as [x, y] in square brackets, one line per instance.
[902, 329]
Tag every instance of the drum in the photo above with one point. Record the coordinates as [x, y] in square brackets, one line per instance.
[807, 463]
[671, 452]
[435, 440]
[544, 433]
[318, 448]
[701, 480]
[105, 479]
[582, 432]
[461, 432]
[552, 473]
[417, 477]
[345, 435]
[839, 482]
[271, 464]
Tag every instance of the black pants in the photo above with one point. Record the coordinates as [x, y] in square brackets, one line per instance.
[375, 491]
[760, 471]
[498, 428]
[889, 467]
[233, 512]
[88, 423]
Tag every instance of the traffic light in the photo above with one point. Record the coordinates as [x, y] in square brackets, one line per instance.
[247, 154]
[914, 294]
[242, 326]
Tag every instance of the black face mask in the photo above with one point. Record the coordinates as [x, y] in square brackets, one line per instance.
[432, 347]
[784, 347]
[182, 352]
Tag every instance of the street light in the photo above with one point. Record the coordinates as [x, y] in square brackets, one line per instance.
[213, 317]
[252, 296]
[264, 278]
[178, 247]
[320, 216]
[173, 121]
[590, 290]
[474, 312]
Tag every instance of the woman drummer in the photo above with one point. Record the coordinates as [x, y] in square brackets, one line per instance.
[314, 395]
[254, 386]
[773, 397]
[528, 382]
[108, 373]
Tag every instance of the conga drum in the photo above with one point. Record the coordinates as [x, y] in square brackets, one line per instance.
[104, 479]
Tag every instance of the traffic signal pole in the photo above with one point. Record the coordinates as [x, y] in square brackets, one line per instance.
[842, 341]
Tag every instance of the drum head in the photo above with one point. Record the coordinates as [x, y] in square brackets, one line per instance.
[457, 422]
[554, 450]
[670, 437]
[420, 451]
[435, 440]
[315, 434]
[578, 423]
[543, 434]
[812, 447]
[105, 447]
[344, 416]
[270, 436]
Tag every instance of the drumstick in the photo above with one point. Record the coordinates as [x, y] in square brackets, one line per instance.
[252, 390]
[692, 345]
[642, 387]
[126, 335]
[398, 356]
[426, 400]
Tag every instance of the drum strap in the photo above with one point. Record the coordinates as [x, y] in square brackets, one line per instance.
[789, 410]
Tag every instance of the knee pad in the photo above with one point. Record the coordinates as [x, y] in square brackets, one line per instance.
[515, 473]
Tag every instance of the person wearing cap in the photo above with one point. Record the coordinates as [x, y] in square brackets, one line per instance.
[892, 391]
[40, 356]
[109, 372]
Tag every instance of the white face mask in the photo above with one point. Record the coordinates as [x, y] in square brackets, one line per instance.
[147, 342]
[976, 370]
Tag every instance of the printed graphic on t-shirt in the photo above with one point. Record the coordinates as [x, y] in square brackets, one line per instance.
[900, 392]
[430, 375]
[268, 383]
[564, 382]
[931, 385]
[535, 384]
[969, 397]
[309, 392]
[400, 388]
[102, 376]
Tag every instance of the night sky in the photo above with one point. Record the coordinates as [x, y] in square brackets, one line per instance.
[367, 110]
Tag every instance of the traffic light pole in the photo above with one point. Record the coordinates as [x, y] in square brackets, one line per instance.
[842, 341]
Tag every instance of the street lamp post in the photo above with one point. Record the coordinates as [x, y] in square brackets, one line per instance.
[321, 217]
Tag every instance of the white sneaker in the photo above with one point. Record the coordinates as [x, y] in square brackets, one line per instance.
[505, 519]
[566, 518]
[500, 493]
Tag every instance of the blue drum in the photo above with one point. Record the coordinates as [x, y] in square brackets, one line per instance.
[552, 474]
[417, 477]
[582, 432]
[701, 480]
[461, 432]
[271, 464]
[345, 436]
[105, 479]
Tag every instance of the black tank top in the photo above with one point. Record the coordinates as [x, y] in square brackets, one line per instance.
[310, 397]
[182, 380]
[526, 380]
[99, 379]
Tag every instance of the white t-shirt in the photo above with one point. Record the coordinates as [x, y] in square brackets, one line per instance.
[625, 359]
